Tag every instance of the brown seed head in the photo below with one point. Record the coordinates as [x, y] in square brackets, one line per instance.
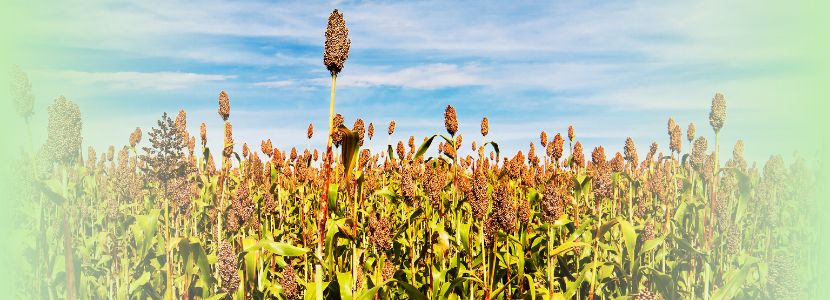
[266, 147]
[571, 133]
[228, 150]
[401, 150]
[289, 282]
[717, 116]
[676, 138]
[64, 130]
[690, 133]
[391, 127]
[737, 155]
[411, 144]
[543, 139]
[552, 203]
[181, 121]
[578, 157]
[450, 120]
[618, 163]
[224, 106]
[631, 152]
[699, 153]
[485, 126]
[226, 266]
[337, 43]
[245, 150]
[558, 146]
[371, 131]
[360, 129]
[203, 134]
[310, 130]
[21, 90]
[337, 136]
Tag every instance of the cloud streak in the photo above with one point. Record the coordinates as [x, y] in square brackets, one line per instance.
[131, 80]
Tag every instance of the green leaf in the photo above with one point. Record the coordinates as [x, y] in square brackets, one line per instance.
[345, 281]
[495, 146]
[50, 190]
[630, 237]
[277, 248]
[332, 196]
[139, 282]
[386, 192]
[743, 187]
[728, 290]
[350, 147]
[421, 150]
[413, 292]
[370, 293]
[651, 244]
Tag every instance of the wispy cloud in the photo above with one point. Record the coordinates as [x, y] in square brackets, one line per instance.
[426, 77]
[131, 80]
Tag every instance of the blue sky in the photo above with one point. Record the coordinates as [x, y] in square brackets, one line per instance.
[612, 69]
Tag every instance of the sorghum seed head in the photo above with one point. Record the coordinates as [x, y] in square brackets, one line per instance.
[388, 270]
[203, 134]
[391, 127]
[543, 138]
[371, 131]
[717, 116]
[266, 147]
[310, 130]
[380, 232]
[646, 294]
[110, 153]
[630, 151]
[337, 43]
[450, 120]
[558, 146]
[690, 133]
[618, 163]
[578, 157]
[733, 244]
[289, 282]
[653, 149]
[337, 136]
[571, 133]
[400, 149]
[21, 90]
[245, 149]
[783, 279]
[226, 266]
[485, 126]
[699, 153]
[552, 203]
[181, 121]
[360, 129]
[224, 106]
[64, 129]
[228, 150]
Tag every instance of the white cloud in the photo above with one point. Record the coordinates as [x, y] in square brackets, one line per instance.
[426, 77]
[131, 80]
[431, 76]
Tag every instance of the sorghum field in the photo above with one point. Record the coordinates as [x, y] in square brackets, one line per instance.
[177, 220]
